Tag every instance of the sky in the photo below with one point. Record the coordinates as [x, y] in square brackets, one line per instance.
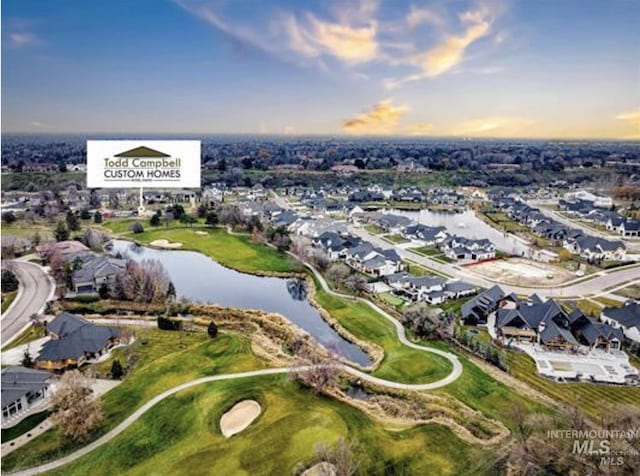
[464, 68]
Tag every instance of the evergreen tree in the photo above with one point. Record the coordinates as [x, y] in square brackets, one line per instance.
[116, 370]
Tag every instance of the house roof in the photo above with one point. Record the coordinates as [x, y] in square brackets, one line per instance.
[76, 336]
[627, 315]
[18, 381]
[142, 152]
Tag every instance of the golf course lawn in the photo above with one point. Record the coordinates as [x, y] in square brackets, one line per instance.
[181, 436]
[234, 251]
[401, 363]
[164, 359]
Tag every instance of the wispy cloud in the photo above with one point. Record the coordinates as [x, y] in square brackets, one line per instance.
[632, 118]
[355, 34]
[314, 37]
[23, 39]
[421, 16]
[383, 118]
[494, 127]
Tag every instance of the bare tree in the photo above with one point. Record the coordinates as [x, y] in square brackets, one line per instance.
[338, 273]
[147, 281]
[342, 457]
[356, 284]
[321, 372]
[78, 411]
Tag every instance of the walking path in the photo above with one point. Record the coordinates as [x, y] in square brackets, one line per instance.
[400, 331]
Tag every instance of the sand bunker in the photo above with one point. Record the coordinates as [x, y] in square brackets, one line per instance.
[166, 244]
[239, 417]
[201, 232]
[321, 469]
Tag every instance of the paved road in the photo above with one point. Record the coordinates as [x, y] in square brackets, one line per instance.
[35, 289]
[576, 288]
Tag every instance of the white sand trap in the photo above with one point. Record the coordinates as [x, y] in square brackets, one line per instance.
[321, 469]
[166, 244]
[199, 232]
[239, 417]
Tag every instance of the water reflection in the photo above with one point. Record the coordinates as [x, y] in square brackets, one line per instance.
[197, 277]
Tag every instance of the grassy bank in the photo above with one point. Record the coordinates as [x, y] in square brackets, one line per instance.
[7, 299]
[400, 363]
[234, 251]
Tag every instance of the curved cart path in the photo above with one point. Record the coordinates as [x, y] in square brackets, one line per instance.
[400, 331]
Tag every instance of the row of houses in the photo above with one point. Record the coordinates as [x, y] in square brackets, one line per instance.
[454, 247]
[574, 240]
[550, 324]
[388, 266]
[611, 220]
[433, 290]
[359, 254]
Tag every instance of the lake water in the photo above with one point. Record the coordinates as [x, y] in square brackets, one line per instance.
[199, 278]
[467, 225]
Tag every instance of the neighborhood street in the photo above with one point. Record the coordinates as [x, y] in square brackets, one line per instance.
[35, 289]
[578, 287]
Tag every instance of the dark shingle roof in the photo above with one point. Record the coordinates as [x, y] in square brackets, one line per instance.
[17, 381]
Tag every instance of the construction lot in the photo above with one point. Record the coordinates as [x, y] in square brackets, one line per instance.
[522, 272]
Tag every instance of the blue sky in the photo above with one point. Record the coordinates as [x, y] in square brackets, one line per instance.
[494, 68]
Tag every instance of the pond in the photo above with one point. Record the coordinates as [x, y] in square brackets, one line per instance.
[468, 225]
[199, 278]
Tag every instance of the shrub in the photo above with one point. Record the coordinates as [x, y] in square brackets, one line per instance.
[166, 324]
[137, 227]
[9, 281]
[212, 330]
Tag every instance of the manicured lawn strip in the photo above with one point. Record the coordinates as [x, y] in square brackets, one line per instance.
[593, 399]
[30, 334]
[396, 239]
[391, 299]
[234, 251]
[400, 363]
[164, 359]
[24, 426]
[181, 436]
[7, 299]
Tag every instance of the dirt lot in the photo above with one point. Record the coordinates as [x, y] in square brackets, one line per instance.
[522, 272]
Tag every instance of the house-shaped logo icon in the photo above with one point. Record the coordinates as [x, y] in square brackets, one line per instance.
[142, 152]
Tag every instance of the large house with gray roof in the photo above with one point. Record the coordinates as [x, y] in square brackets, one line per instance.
[75, 341]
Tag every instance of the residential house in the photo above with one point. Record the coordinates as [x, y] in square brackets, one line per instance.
[626, 318]
[427, 235]
[75, 341]
[93, 270]
[22, 390]
[477, 310]
[459, 248]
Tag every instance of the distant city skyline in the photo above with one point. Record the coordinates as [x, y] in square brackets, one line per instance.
[455, 68]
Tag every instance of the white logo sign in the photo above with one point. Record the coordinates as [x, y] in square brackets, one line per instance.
[143, 163]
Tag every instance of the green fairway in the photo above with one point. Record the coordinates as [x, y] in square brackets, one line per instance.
[181, 436]
[234, 251]
[401, 363]
[164, 359]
